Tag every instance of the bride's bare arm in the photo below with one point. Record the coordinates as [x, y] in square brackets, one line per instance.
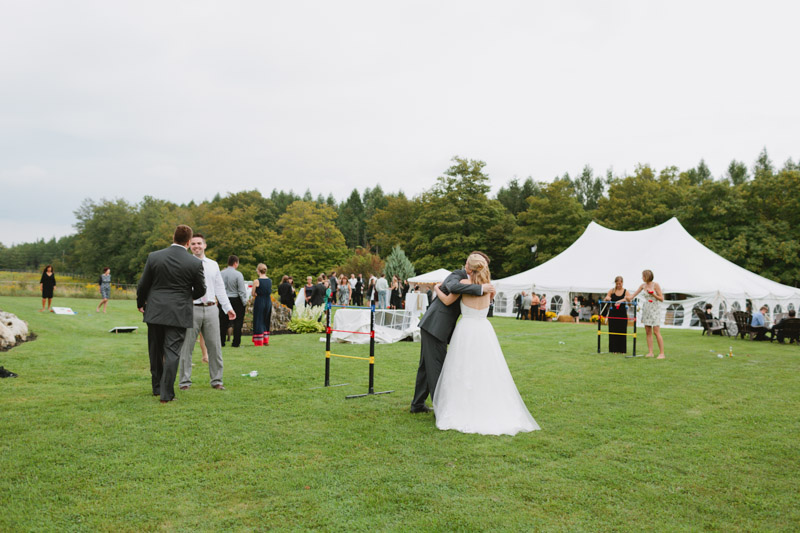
[447, 299]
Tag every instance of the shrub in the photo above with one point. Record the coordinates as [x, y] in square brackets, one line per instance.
[307, 320]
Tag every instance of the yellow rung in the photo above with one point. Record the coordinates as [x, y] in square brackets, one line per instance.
[350, 357]
[327, 354]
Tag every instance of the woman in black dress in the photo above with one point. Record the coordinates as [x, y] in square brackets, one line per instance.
[617, 317]
[47, 284]
[396, 299]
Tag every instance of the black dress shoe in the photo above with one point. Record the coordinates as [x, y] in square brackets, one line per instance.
[5, 373]
[422, 409]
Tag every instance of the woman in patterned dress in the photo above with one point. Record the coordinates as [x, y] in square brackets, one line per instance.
[105, 289]
[651, 314]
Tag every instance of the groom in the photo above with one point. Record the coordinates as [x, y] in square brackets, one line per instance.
[436, 328]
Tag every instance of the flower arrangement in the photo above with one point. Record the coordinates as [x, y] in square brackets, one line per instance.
[550, 314]
[595, 318]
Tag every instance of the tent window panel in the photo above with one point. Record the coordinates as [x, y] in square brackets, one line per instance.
[790, 307]
[736, 307]
[555, 303]
[777, 309]
[674, 315]
[722, 309]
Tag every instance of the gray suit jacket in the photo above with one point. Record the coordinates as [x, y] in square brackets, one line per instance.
[171, 280]
[440, 320]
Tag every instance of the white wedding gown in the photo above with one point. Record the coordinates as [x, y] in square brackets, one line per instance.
[475, 392]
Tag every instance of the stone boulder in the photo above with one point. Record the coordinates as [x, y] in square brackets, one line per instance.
[13, 331]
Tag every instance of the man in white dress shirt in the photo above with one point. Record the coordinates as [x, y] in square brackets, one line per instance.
[206, 319]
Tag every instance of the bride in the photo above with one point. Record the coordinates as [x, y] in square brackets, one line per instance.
[475, 392]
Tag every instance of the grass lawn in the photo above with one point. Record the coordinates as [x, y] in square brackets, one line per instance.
[691, 443]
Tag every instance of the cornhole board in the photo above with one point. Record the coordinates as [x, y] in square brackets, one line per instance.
[123, 329]
[63, 311]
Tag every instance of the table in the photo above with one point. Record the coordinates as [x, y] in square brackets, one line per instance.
[416, 302]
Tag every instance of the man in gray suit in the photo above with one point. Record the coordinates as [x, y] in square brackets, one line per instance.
[172, 278]
[436, 328]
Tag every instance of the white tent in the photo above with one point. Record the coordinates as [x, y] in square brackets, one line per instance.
[435, 276]
[681, 265]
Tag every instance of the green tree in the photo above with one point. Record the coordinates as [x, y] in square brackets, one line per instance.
[351, 221]
[397, 264]
[514, 196]
[363, 262]
[262, 209]
[552, 222]
[309, 242]
[456, 217]
[105, 233]
[642, 200]
[588, 188]
[394, 223]
[737, 172]
[763, 165]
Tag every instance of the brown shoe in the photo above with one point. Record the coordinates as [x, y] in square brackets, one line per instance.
[185, 387]
[218, 386]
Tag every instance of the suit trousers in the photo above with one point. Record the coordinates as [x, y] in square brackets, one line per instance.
[431, 359]
[164, 344]
[225, 323]
[206, 321]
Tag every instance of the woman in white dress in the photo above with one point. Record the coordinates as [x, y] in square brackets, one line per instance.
[476, 393]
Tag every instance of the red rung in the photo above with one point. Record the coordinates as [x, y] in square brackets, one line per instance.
[328, 331]
[345, 331]
[372, 334]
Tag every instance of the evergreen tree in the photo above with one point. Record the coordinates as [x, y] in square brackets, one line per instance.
[397, 264]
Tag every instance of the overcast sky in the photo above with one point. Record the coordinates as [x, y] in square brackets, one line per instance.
[182, 100]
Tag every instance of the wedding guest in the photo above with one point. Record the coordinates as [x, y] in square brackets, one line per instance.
[395, 299]
[576, 307]
[759, 323]
[286, 292]
[617, 317]
[236, 290]
[262, 306]
[651, 315]
[105, 289]
[707, 311]
[358, 291]
[308, 290]
[543, 307]
[534, 313]
[344, 290]
[526, 306]
[47, 284]
[518, 303]
[779, 329]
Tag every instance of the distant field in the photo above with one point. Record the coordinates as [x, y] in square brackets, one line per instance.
[692, 443]
[27, 284]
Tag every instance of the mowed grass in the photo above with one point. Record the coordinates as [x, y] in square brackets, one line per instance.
[691, 443]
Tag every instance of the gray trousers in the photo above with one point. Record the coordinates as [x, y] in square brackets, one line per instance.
[206, 321]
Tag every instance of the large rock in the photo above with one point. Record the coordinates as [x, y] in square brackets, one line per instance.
[13, 331]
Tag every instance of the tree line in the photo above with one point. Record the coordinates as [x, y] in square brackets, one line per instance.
[750, 216]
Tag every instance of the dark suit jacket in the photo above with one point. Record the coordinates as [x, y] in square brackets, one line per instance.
[171, 280]
[439, 319]
[318, 294]
[286, 292]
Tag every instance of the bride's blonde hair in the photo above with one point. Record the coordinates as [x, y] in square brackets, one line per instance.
[480, 269]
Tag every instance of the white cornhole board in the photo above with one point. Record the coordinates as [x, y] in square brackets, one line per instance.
[64, 311]
[123, 329]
